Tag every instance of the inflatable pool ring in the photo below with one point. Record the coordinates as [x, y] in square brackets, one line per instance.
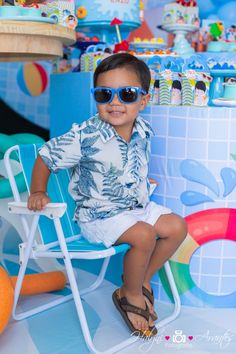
[204, 226]
[6, 141]
[6, 299]
[32, 284]
[27, 138]
[39, 283]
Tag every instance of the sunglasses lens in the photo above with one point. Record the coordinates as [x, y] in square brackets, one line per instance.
[129, 94]
[102, 95]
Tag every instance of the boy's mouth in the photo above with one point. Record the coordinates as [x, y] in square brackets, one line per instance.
[116, 113]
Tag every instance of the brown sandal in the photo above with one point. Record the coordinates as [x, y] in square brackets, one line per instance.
[149, 295]
[123, 306]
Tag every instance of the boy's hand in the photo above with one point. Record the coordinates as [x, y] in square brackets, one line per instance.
[38, 201]
[151, 180]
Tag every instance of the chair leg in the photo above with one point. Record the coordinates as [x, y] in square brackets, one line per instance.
[131, 340]
[81, 312]
[23, 266]
[79, 306]
[25, 314]
[99, 278]
[177, 303]
[77, 298]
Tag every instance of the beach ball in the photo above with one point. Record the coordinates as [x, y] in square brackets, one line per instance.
[32, 79]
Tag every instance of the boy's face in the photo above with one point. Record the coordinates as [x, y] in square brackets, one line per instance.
[120, 115]
[199, 93]
[176, 93]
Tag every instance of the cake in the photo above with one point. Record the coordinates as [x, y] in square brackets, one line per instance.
[61, 11]
[182, 12]
[97, 14]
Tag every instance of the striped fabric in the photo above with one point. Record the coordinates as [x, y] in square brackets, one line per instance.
[187, 99]
[164, 92]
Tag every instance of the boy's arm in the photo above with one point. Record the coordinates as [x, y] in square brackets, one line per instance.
[38, 190]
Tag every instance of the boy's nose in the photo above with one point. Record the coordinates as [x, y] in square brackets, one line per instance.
[115, 99]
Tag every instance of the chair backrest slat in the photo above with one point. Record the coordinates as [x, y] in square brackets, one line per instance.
[57, 191]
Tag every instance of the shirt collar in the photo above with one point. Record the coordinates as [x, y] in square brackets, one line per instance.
[143, 128]
[107, 132]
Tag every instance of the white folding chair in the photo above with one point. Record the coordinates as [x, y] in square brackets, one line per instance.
[52, 234]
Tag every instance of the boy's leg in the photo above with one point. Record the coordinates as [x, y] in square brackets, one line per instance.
[142, 238]
[172, 230]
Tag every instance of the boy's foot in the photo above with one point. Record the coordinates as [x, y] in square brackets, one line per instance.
[149, 298]
[135, 317]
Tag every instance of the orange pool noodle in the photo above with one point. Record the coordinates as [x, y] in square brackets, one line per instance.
[34, 284]
[6, 299]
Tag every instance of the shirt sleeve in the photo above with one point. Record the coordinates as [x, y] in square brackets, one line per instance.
[148, 149]
[62, 152]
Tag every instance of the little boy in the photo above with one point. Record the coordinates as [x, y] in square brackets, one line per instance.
[200, 97]
[109, 156]
[176, 96]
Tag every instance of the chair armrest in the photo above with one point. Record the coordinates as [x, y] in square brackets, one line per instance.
[52, 210]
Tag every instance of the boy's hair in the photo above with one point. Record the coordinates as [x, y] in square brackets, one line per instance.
[125, 60]
[200, 85]
[157, 84]
[176, 84]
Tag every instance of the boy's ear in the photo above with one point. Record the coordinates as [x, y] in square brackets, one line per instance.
[144, 101]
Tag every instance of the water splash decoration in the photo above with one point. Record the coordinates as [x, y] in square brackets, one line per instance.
[228, 176]
[194, 171]
[191, 198]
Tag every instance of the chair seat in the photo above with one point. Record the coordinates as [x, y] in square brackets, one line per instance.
[82, 245]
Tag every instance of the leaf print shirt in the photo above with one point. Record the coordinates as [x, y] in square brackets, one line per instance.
[108, 174]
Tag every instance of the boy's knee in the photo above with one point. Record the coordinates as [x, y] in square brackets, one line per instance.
[180, 228]
[146, 237]
[175, 228]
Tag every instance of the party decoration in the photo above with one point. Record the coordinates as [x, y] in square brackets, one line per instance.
[81, 12]
[61, 11]
[32, 79]
[96, 20]
[121, 47]
[216, 29]
[116, 22]
[203, 227]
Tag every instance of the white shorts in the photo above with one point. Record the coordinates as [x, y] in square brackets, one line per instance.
[107, 231]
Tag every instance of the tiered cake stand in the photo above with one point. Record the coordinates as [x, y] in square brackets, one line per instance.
[27, 41]
[181, 45]
[142, 46]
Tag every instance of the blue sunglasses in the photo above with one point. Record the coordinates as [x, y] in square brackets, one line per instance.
[127, 94]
